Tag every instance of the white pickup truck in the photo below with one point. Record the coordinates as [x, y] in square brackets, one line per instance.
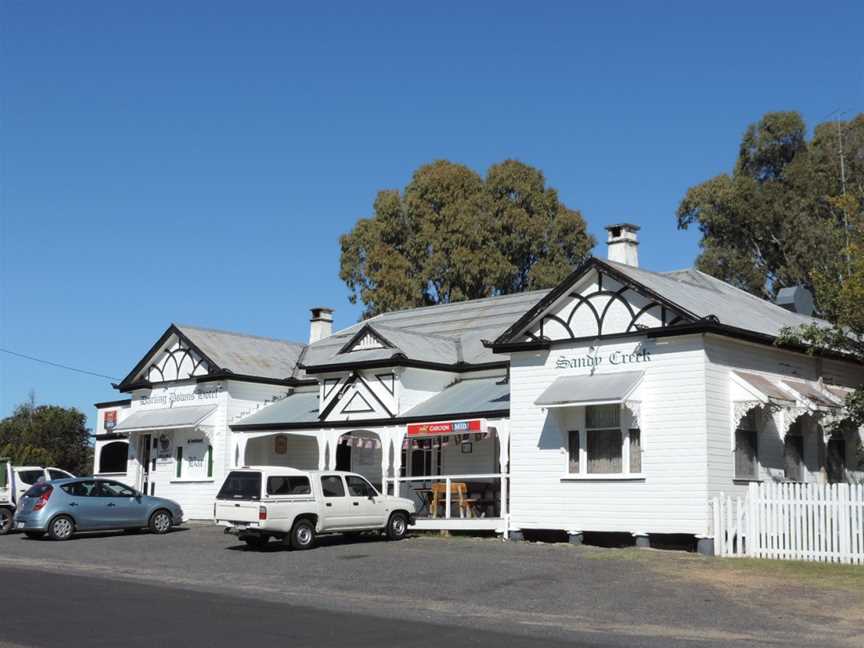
[262, 502]
[14, 482]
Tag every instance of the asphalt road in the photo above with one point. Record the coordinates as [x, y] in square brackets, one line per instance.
[45, 609]
[200, 587]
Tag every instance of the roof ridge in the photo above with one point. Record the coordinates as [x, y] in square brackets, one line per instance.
[238, 334]
[458, 303]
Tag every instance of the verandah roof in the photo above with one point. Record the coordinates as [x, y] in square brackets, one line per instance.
[165, 419]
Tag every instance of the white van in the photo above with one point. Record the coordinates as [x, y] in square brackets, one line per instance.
[261, 502]
[14, 482]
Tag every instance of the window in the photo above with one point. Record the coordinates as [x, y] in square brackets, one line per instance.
[38, 490]
[179, 461]
[605, 447]
[332, 486]
[30, 477]
[793, 457]
[209, 460]
[56, 473]
[635, 450]
[836, 459]
[573, 450]
[80, 489]
[746, 448]
[241, 485]
[359, 487]
[279, 485]
[115, 489]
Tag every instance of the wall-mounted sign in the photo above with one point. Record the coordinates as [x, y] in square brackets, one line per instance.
[280, 444]
[450, 427]
[592, 360]
[168, 399]
[110, 421]
[164, 447]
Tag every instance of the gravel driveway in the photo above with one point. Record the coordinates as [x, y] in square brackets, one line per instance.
[554, 590]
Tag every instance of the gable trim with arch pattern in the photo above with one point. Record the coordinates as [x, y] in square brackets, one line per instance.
[599, 303]
[179, 361]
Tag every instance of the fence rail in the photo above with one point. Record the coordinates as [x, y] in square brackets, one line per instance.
[816, 522]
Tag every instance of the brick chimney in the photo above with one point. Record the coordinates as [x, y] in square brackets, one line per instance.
[321, 324]
[623, 244]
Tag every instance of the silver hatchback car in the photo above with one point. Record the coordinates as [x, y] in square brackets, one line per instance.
[62, 507]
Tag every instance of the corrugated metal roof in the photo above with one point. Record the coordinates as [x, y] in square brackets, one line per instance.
[300, 407]
[248, 355]
[764, 385]
[439, 333]
[464, 397]
[165, 418]
[704, 295]
[585, 390]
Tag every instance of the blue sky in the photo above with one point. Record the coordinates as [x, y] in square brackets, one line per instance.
[196, 162]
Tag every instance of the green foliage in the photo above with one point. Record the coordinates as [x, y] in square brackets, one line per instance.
[47, 435]
[781, 217]
[792, 213]
[452, 235]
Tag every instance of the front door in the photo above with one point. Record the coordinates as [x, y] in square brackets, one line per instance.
[367, 507]
[144, 449]
[336, 504]
[121, 506]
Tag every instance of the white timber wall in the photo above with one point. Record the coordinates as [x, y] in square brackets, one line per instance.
[671, 497]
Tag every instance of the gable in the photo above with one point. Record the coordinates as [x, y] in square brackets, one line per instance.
[172, 358]
[601, 303]
[365, 339]
[358, 395]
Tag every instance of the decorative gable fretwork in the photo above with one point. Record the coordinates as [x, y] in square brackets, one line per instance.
[177, 361]
[358, 395]
[603, 305]
[365, 339]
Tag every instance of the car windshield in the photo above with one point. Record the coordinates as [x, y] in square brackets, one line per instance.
[38, 490]
[241, 486]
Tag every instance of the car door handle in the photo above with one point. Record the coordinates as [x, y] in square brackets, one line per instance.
[73, 503]
[356, 503]
[112, 504]
[329, 503]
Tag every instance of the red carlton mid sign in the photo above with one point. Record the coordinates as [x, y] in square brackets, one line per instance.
[449, 427]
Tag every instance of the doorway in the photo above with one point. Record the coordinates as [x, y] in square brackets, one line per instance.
[145, 445]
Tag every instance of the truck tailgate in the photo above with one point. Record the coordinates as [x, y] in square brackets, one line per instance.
[236, 511]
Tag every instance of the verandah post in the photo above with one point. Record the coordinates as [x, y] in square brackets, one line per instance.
[447, 500]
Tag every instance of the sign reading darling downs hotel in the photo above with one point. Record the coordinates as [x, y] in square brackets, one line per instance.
[595, 360]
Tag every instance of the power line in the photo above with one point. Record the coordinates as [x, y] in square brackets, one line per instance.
[57, 364]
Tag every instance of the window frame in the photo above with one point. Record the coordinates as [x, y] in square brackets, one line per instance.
[624, 427]
[748, 424]
[373, 492]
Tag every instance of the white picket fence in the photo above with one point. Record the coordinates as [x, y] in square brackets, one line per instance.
[817, 522]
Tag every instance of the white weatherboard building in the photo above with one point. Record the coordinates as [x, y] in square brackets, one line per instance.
[622, 400]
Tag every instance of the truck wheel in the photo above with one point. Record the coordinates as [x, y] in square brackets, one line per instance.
[5, 521]
[303, 535]
[61, 528]
[397, 526]
[160, 522]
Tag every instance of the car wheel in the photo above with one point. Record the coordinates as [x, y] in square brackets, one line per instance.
[256, 541]
[5, 521]
[303, 535]
[160, 522]
[61, 528]
[35, 535]
[397, 526]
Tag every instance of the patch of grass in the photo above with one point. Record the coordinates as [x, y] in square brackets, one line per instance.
[813, 574]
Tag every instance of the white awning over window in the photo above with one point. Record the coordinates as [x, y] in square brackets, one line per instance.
[599, 389]
[173, 418]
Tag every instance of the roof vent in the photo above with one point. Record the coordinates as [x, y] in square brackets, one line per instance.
[321, 324]
[796, 299]
[623, 244]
